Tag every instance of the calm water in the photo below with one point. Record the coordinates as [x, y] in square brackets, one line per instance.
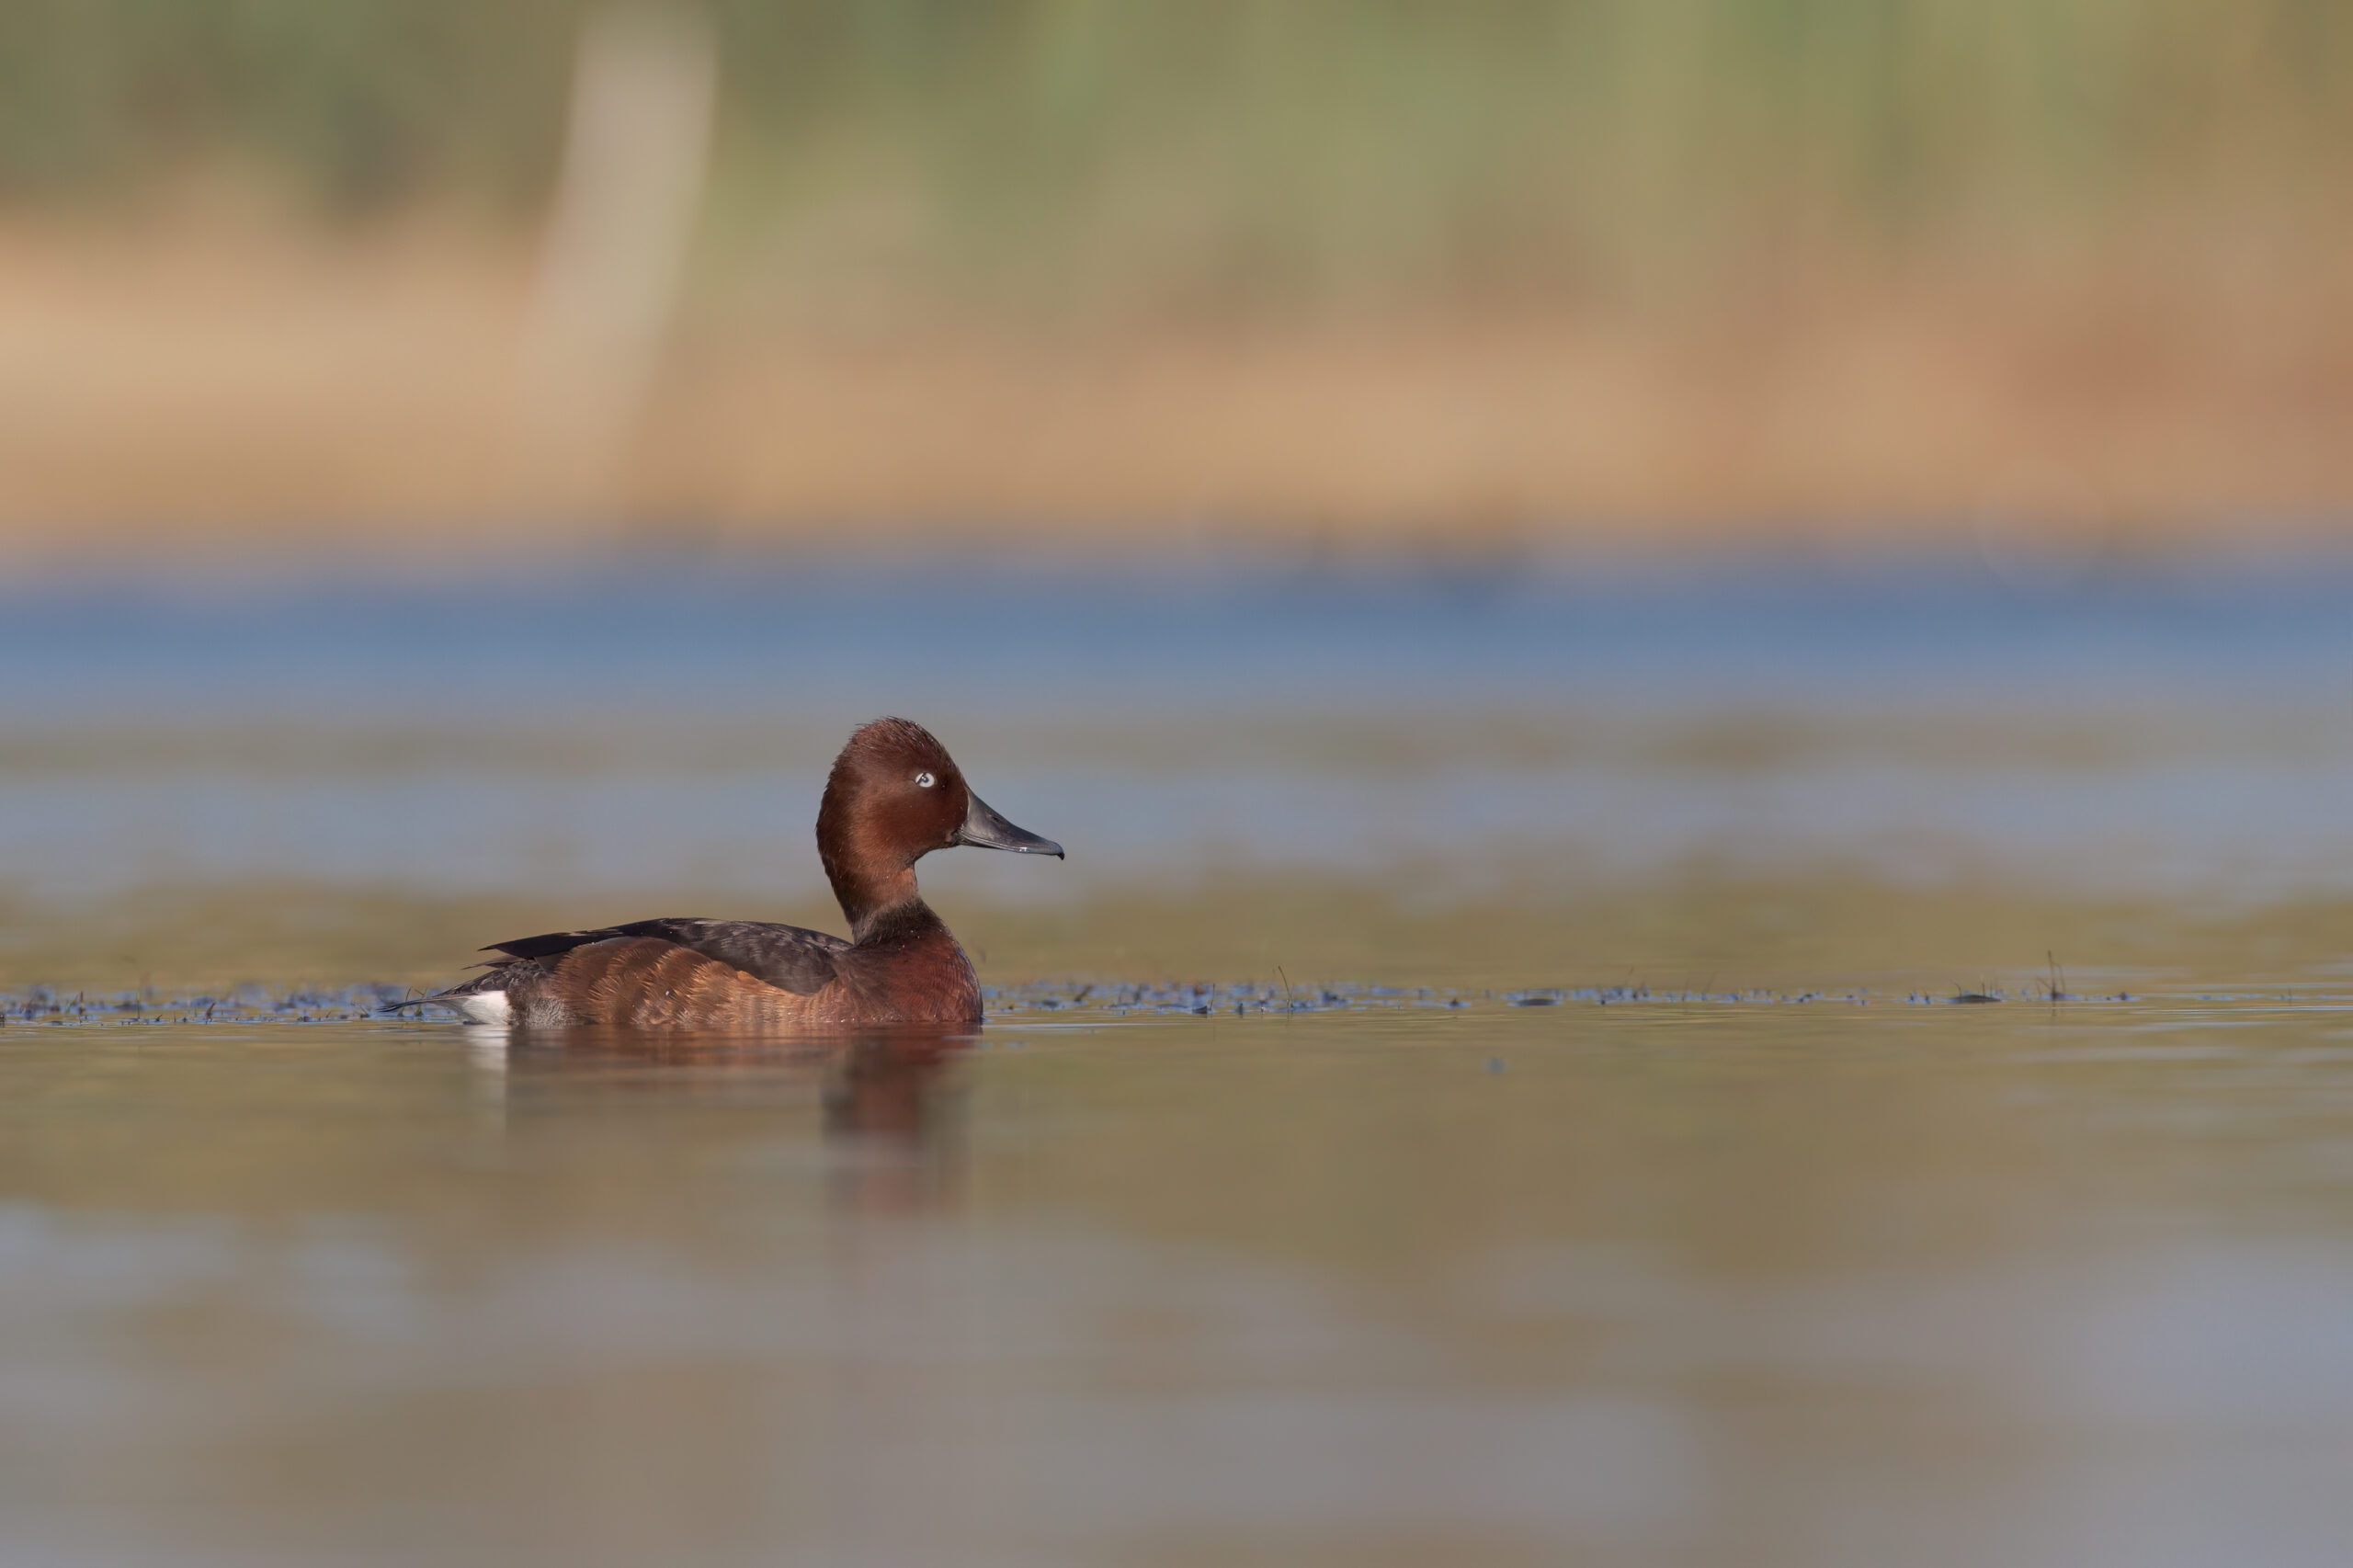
[1846, 1280]
[1648, 1283]
[2175, 733]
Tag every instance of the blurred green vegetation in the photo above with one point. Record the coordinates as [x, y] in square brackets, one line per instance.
[1252, 146]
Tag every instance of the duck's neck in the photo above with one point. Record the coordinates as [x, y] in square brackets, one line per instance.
[878, 904]
[907, 924]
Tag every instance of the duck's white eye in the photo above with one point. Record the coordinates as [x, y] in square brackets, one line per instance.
[924, 781]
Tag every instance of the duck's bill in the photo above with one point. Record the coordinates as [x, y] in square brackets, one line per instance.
[983, 829]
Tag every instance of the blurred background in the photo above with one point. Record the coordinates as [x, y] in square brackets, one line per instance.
[384, 277]
[1342, 468]
[1356, 465]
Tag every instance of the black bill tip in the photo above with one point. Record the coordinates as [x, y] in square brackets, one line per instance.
[983, 829]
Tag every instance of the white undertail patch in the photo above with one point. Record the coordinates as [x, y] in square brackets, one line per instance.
[487, 1007]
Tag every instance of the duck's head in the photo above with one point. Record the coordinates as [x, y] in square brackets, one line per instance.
[895, 796]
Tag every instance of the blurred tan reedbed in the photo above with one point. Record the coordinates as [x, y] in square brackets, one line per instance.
[203, 381]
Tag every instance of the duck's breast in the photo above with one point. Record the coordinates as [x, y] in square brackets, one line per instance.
[925, 983]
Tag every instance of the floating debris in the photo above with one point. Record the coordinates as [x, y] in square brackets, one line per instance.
[247, 1005]
[1073, 1000]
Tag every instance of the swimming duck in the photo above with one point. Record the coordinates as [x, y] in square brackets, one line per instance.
[895, 796]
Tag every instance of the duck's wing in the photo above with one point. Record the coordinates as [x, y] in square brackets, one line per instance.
[788, 957]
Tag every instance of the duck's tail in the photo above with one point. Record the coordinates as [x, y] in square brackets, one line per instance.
[462, 997]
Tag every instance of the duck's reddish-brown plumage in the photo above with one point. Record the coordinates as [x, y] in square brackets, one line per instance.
[893, 796]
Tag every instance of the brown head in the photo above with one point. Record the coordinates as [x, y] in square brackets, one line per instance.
[895, 796]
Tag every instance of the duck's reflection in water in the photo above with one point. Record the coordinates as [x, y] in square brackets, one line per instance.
[894, 1118]
[889, 1101]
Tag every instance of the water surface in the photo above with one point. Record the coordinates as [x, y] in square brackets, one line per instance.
[1746, 1246]
[603, 732]
[1650, 1282]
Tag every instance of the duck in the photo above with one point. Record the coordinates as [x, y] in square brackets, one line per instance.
[894, 795]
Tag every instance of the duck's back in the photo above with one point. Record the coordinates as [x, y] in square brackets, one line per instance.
[793, 958]
[730, 975]
[673, 973]
[646, 982]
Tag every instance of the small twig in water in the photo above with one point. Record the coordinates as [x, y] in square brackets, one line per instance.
[2058, 977]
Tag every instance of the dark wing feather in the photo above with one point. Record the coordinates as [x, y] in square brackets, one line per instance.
[787, 957]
